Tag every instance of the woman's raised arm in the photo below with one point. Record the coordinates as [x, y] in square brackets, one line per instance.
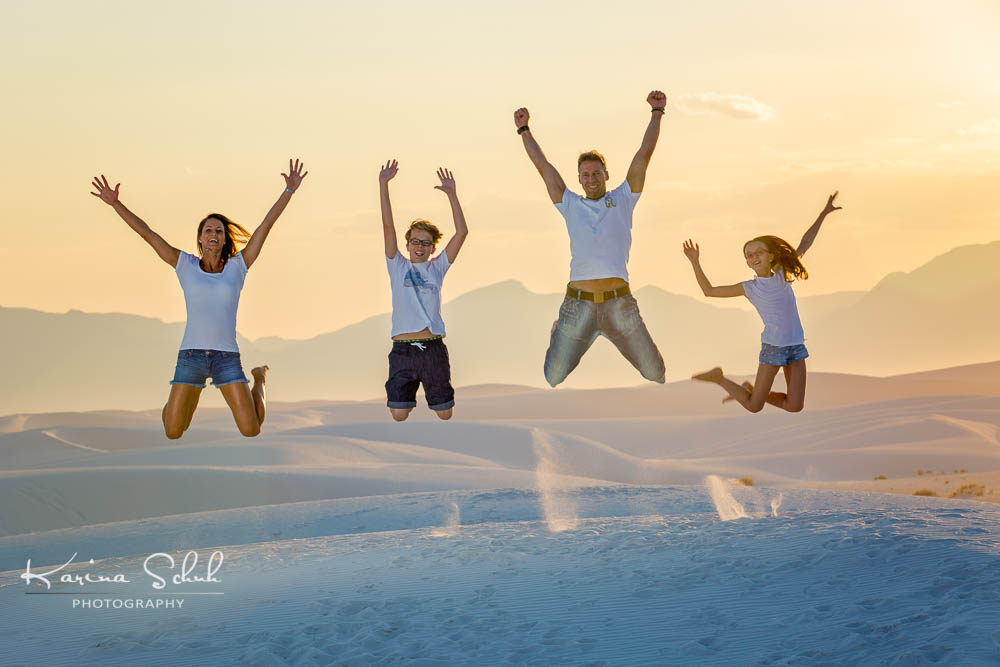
[293, 179]
[109, 196]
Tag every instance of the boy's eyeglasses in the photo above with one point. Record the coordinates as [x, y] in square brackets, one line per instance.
[421, 242]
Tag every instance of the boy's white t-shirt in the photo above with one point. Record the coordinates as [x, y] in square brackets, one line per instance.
[416, 293]
[211, 300]
[600, 233]
[774, 299]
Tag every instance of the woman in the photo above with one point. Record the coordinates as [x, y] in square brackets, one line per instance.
[775, 264]
[212, 283]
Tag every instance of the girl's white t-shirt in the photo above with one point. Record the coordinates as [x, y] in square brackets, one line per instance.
[774, 299]
[211, 300]
[416, 293]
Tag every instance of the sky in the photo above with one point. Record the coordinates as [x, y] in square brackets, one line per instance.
[195, 107]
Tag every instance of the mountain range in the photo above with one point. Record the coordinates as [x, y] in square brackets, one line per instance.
[938, 315]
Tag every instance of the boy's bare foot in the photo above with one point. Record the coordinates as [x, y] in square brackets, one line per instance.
[259, 373]
[746, 385]
[714, 375]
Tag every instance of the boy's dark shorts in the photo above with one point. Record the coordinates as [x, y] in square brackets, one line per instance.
[411, 364]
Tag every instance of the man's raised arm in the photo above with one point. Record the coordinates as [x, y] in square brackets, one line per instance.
[553, 181]
[637, 170]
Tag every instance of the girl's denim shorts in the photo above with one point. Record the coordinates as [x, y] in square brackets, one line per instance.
[773, 355]
[195, 366]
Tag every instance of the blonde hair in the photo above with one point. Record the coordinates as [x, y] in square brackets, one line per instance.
[591, 155]
[234, 233]
[784, 256]
[426, 226]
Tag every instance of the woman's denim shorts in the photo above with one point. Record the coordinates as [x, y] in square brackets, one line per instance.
[773, 355]
[195, 366]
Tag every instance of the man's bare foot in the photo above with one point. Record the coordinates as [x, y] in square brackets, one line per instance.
[746, 385]
[714, 375]
[259, 374]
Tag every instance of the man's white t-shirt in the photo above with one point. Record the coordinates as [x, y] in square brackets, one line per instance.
[211, 300]
[416, 293]
[600, 233]
[774, 299]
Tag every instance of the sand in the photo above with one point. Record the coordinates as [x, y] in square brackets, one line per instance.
[537, 527]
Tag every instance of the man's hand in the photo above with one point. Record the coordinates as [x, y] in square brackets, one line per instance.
[521, 117]
[657, 99]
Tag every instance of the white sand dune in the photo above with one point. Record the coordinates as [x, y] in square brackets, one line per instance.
[538, 526]
[648, 576]
[56, 479]
[496, 402]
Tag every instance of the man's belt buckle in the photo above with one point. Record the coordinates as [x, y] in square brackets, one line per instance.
[599, 297]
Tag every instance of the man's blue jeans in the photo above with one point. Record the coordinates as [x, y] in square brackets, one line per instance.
[581, 322]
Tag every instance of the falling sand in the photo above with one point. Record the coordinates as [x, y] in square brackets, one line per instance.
[727, 506]
[557, 507]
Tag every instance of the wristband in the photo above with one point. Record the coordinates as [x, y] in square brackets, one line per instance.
[522, 129]
[660, 109]
[290, 191]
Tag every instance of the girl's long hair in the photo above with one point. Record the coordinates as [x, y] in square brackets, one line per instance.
[784, 256]
[234, 232]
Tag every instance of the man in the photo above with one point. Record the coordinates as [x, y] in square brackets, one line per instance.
[598, 299]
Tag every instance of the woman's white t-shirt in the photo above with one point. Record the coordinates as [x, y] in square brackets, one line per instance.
[211, 300]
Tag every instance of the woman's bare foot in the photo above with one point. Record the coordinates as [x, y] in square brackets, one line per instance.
[257, 391]
[715, 375]
[746, 385]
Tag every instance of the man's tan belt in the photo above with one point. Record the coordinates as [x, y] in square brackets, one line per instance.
[598, 297]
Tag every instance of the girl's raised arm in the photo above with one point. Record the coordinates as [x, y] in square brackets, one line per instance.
[693, 253]
[109, 196]
[810, 235]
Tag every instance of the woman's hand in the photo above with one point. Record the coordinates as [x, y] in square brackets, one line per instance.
[104, 191]
[293, 179]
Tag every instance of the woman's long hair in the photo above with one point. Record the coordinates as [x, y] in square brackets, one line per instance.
[784, 256]
[234, 232]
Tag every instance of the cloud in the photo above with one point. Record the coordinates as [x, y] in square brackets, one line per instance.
[724, 104]
[990, 126]
[855, 165]
[954, 104]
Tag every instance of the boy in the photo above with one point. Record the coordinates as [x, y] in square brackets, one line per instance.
[418, 351]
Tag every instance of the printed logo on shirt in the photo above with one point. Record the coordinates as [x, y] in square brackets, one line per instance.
[414, 279]
[609, 202]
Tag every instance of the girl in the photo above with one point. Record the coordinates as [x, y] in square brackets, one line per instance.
[776, 265]
[212, 282]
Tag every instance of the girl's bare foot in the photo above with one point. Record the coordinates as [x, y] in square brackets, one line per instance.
[259, 374]
[714, 375]
[746, 385]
